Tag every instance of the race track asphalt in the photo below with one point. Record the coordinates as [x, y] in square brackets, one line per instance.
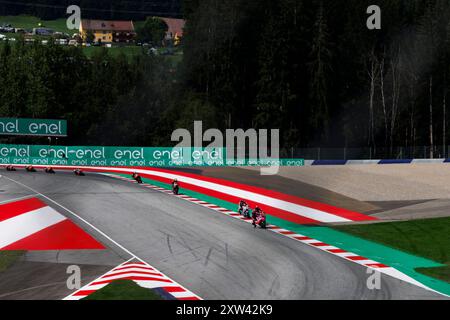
[213, 255]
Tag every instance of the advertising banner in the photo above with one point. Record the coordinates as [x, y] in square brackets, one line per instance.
[33, 127]
[128, 156]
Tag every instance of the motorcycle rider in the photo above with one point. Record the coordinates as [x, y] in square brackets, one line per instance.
[49, 170]
[175, 186]
[262, 220]
[242, 203]
[258, 217]
[78, 172]
[243, 207]
[136, 177]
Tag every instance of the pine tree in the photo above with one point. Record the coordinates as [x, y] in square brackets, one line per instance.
[320, 68]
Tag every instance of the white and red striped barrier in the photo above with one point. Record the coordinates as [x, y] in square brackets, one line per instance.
[142, 274]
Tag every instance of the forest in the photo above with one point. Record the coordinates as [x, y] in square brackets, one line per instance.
[308, 67]
[93, 9]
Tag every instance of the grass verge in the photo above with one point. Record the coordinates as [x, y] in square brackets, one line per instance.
[442, 273]
[30, 22]
[124, 290]
[128, 51]
[7, 258]
[429, 238]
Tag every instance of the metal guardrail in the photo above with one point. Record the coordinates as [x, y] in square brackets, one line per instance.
[421, 152]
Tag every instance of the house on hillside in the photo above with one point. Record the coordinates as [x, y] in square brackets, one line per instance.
[108, 31]
[175, 29]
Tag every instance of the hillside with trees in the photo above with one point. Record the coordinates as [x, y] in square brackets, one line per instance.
[308, 67]
[314, 70]
[93, 9]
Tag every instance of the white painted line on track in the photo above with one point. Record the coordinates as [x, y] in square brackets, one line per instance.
[90, 225]
[77, 216]
[389, 270]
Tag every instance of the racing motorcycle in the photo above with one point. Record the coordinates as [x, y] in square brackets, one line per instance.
[259, 219]
[78, 172]
[175, 187]
[137, 177]
[30, 169]
[10, 168]
[245, 211]
[49, 170]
